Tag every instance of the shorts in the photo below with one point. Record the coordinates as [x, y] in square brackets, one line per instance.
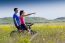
[23, 27]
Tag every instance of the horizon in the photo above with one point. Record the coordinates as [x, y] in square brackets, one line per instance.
[45, 9]
[38, 17]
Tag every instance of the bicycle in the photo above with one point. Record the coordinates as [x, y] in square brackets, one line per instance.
[17, 32]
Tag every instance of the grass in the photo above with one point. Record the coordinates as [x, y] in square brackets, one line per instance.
[47, 33]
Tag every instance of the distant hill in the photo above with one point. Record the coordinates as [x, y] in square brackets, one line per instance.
[9, 20]
[60, 19]
[6, 20]
[35, 19]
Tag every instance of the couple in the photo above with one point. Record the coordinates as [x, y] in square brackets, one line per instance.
[19, 20]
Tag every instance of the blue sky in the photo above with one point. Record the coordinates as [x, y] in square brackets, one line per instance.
[46, 9]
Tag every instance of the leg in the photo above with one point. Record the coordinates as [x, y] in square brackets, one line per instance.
[18, 28]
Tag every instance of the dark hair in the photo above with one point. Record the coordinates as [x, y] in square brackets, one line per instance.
[15, 9]
[21, 12]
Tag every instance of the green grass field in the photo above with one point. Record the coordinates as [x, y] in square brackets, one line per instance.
[47, 33]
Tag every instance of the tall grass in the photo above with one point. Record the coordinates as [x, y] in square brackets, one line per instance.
[47, 33]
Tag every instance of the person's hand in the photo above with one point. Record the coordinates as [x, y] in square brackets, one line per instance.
[17, 24]
[32, 13]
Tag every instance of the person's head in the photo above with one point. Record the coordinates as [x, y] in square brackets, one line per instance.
[21, 12]
[16, 10]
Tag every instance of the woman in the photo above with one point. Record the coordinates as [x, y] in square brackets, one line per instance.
[22, 20]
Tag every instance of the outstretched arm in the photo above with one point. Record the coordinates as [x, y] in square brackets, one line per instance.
[28, 14]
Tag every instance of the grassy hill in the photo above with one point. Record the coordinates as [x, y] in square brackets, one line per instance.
[6, 20]
[35, 19]
[9, 20]
[60, 19]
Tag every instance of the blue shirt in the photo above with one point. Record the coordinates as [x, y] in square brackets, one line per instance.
[16, 19]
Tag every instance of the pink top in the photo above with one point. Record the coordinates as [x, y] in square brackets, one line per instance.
[22, 20]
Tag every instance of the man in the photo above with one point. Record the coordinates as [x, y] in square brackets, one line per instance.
[16, 19]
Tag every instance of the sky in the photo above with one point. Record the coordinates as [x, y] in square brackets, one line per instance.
[43, 8]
